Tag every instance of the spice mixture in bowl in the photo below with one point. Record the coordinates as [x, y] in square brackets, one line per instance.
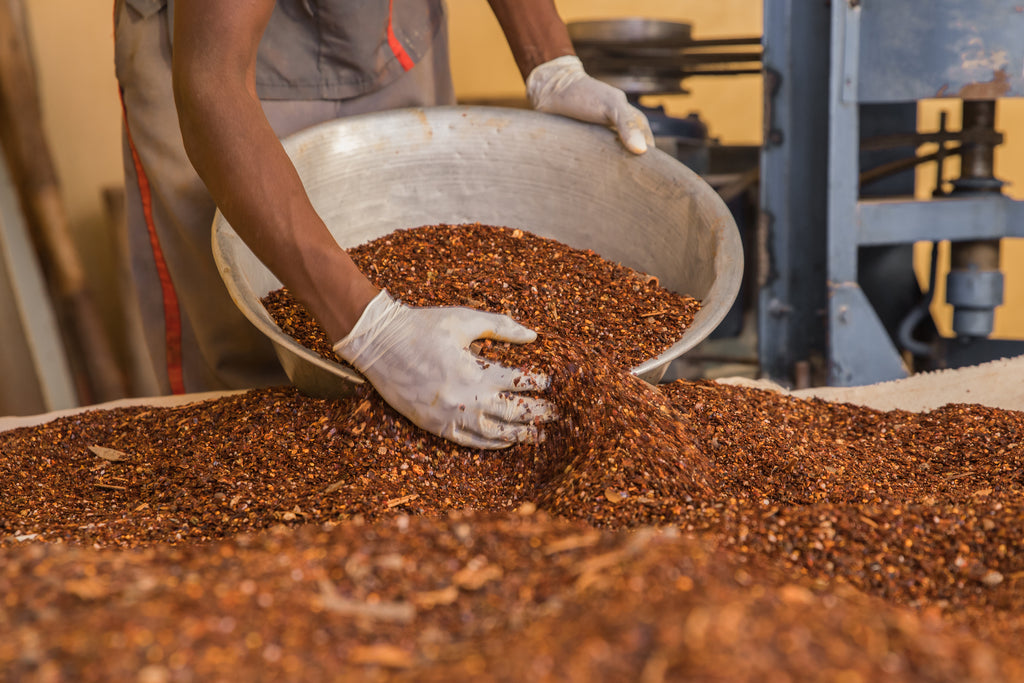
[625, 316]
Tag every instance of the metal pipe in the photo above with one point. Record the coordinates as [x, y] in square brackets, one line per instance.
[974, 285]
[978, 159]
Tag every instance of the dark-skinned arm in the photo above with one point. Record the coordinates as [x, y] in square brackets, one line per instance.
[534, 31]
[418, 359]
[235, 151]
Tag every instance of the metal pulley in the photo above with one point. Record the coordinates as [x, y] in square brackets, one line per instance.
[654, 57]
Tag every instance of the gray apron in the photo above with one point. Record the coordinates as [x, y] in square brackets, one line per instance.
[319, 60]
[334, 49]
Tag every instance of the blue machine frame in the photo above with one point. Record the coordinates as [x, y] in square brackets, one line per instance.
[873, 52]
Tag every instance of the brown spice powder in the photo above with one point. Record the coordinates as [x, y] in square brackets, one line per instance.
[556, 290]
[820, 540]
[917, 510]
[512, 597]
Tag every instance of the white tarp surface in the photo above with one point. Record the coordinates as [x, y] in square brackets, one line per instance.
[14, 422]
[998, 384]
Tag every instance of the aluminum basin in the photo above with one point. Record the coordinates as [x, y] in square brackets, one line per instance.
[370, 175]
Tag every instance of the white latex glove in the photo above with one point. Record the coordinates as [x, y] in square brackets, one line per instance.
[418, 360]
[561, 86]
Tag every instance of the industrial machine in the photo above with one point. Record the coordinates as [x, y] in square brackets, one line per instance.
[831, 278]
[647, 57]
[839, 302]
[650, 59]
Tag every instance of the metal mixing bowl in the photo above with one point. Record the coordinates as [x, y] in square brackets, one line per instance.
[370, 175]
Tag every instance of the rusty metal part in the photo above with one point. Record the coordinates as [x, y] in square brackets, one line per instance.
[987, 90]
[900, 165]
[977, 165]
[975, 285]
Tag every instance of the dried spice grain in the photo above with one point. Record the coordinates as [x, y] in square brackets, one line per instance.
[519, 596]
[269, 531]
[918, 510]
[552, 288]
[243, 462]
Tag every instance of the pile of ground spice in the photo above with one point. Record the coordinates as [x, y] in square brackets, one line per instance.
[270, 535]
[203, 471]
[558, 291]
[514, 597]
[919, 511]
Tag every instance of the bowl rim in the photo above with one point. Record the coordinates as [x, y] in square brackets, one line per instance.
[728, 257]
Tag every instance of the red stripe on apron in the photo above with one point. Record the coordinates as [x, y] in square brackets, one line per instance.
[396, 47]
[172, 316]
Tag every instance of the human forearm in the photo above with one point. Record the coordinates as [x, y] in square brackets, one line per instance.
[534, 30]
[235, 151]
[417, 359]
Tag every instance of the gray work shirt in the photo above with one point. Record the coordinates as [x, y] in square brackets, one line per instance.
[335, 49]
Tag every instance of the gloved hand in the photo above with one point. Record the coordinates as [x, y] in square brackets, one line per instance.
[419, 362]
[561, 86]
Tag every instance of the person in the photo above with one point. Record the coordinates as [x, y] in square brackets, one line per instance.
[208, 89]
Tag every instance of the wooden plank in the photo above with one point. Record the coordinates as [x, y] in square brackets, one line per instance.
[36, 375]
[34, 176]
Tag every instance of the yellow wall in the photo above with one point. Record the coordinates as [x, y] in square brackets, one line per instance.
[73, 47]
[74, 51]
